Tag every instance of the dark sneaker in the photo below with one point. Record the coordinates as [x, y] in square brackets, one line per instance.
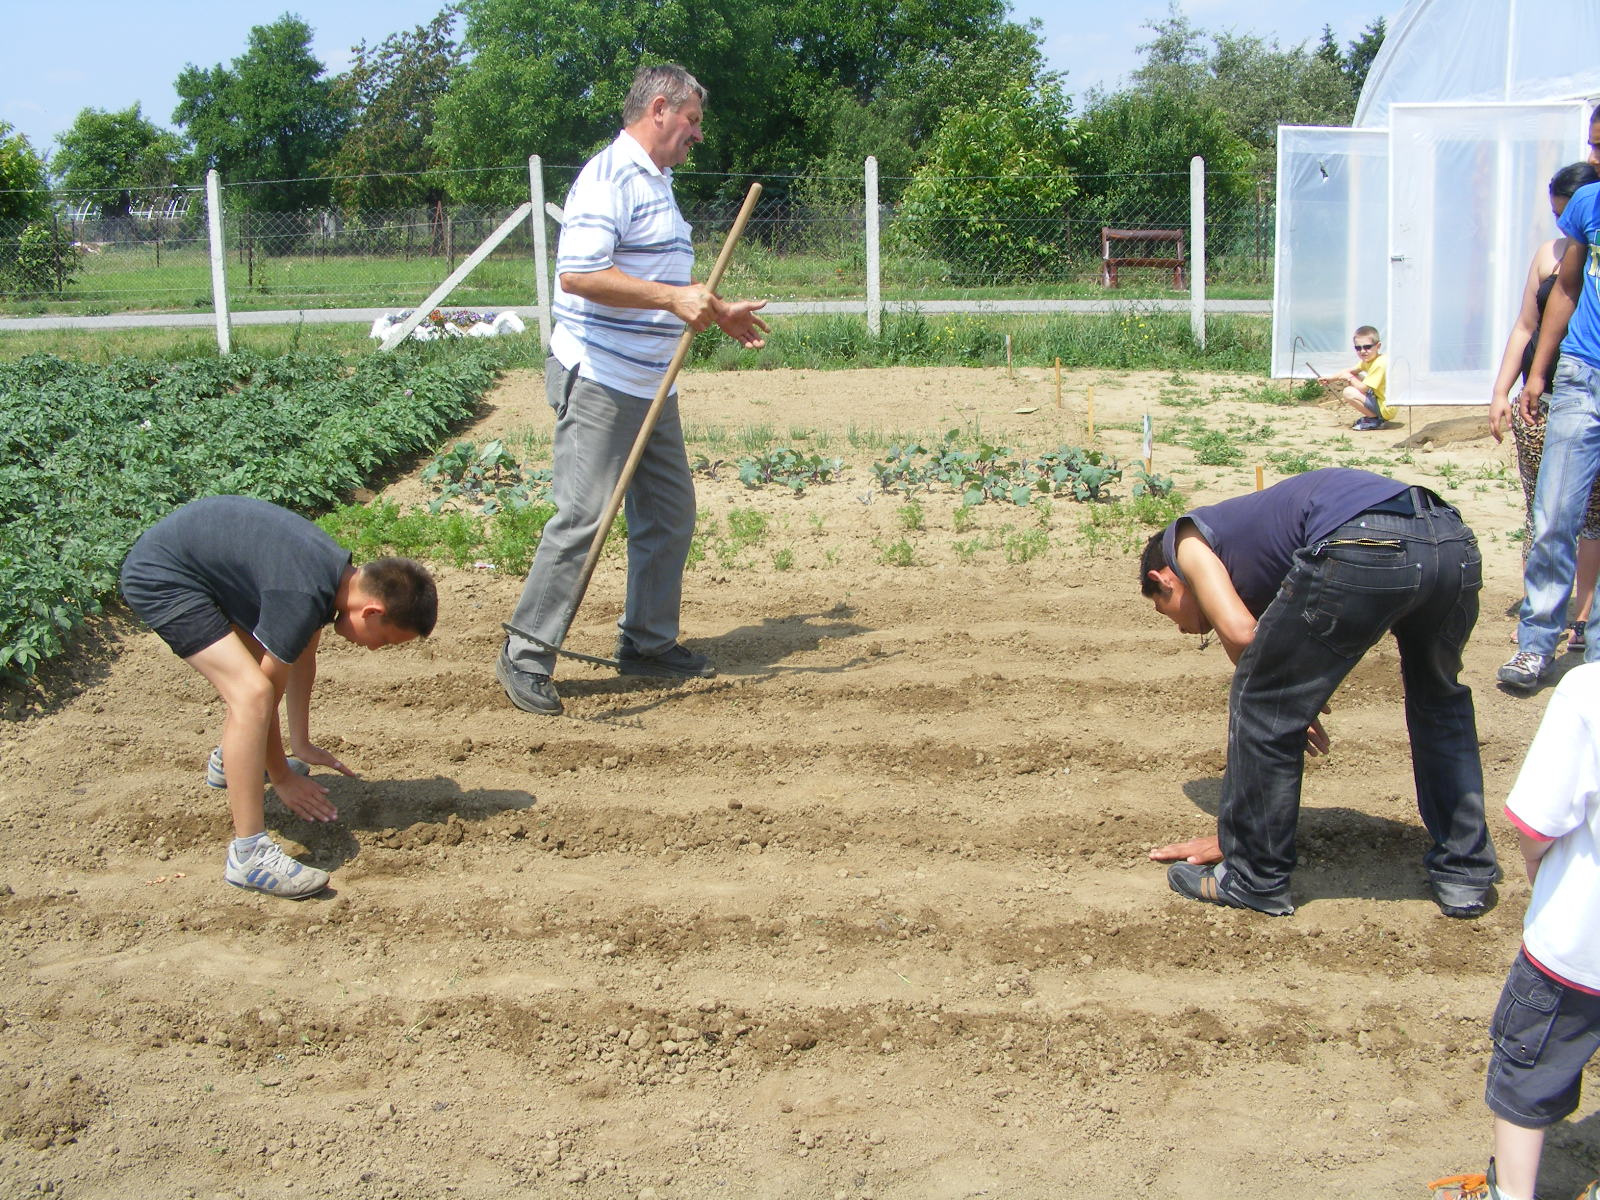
[1205, 883]
[675, 662]
[1524, 670]
[1578, 642]
[529, 690]
[1367, 424]
[1462, 900]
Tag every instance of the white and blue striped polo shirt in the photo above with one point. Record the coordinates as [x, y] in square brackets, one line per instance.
[621, 213]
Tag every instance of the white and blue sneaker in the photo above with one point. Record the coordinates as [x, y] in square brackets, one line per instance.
[271, 872]
[217, 779]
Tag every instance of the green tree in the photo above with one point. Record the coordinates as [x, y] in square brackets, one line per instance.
[386, 158]
[22, 178]
[270, 116]
[787, 80]
[113, 155]
[46, 259]
[896, 122]
[1358, 60]
[1254, 83]
[1132, 162]
[549, 77]
[993, 196]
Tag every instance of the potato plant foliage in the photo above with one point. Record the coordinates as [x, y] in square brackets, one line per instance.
[91, 455]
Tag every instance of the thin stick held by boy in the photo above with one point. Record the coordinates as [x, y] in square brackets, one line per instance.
[240, 590]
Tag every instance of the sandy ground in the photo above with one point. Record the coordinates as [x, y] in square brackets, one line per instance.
[867, 915]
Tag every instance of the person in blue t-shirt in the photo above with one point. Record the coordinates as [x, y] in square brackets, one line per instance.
[1298, 582]
[1572, 434]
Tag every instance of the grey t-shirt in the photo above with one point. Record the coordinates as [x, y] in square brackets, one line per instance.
[269, 570]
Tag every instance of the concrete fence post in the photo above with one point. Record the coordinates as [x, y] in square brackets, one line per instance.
[219, 271]
[1197, 250]
[541, 248]
[874, 292]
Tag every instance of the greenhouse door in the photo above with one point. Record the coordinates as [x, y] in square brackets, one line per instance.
[1468, 207]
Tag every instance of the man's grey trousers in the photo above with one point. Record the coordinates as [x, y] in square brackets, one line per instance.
[595, 430]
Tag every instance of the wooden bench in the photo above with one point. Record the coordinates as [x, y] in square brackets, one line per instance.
[1144, 239]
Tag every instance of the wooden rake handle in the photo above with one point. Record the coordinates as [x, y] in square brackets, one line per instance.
[614, 505]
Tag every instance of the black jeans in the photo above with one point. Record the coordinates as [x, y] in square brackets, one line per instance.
[1417, 576]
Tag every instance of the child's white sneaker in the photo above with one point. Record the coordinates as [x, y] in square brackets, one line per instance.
[272, 872]
[215, 777]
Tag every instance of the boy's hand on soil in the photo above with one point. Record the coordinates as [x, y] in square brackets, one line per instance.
[305, 798]
[1200, 850]
[318, 757]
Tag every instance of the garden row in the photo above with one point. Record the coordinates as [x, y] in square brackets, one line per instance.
[90, 456]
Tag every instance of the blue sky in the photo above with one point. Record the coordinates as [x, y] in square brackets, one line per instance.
[95, 53]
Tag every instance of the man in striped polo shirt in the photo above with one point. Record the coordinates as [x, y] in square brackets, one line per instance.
[625, 261]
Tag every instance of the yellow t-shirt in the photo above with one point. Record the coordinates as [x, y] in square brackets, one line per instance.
[1375, 376]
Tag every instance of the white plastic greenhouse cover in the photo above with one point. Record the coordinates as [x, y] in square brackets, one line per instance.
[1330, 257]
[1468, 207]
[1483, 50]
[1423, 218]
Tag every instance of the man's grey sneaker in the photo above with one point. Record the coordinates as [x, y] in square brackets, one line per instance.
[529, 690]
[216, 778]
[1205, 883]
[1524, 671]
[1462, 900]
[1367, 424]
[675, 662]
[271, 872]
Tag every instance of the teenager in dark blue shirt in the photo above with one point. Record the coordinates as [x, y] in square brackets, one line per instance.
[1298, 582]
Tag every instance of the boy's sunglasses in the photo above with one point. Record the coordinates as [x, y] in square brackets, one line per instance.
[1363, 345]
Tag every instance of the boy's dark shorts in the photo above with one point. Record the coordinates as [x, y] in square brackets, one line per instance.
[186, 620]
[1544, 1033]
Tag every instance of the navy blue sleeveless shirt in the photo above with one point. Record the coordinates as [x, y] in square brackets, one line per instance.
[1256, 535]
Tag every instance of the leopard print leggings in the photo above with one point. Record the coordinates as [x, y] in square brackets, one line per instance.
[1529, 440]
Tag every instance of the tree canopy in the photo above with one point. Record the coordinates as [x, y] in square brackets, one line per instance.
[784, 78]
[992, 196]
[112, 155]
[270, 117]
[1255, 84]
[390, 90]
[22, 179]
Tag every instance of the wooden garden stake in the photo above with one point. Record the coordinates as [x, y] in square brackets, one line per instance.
[1058, 381]
[1091, 410]
[1258, 479]
[1008, 357]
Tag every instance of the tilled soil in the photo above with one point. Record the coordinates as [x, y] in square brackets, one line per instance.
[869, 914]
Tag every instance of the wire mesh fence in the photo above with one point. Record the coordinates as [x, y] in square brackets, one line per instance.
[1128, 236]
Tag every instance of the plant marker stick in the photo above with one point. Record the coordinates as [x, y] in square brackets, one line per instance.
[1058, 381]
[656, 405]
[1149, 444]
[1258, 479]
[1091, 410]
[1008, 356]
